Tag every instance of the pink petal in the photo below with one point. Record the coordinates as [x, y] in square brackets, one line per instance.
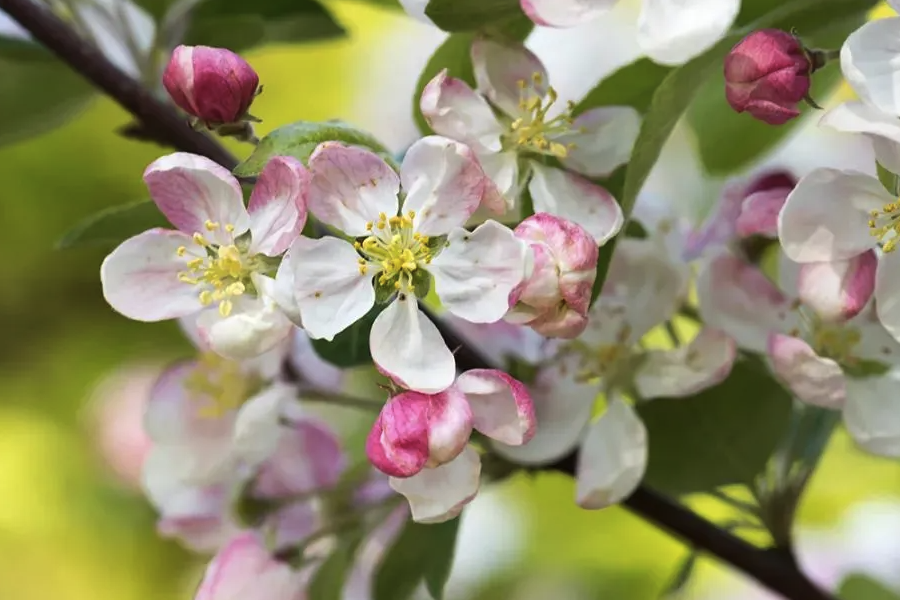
[475, 274]
[499, 67]
[245, 569]
[140, 277]
[175, 415]
[439, 494]
[398, 442]
[350, 186]
[501, 406]
[813, 379]
[407, 346]
[687, 370]
[565, 13]
[838, 290]
[308, 457]
[192, 190]
[759, 213]
[197, 518]
[601, 139]
[444, 184]
[577, 199]
[455, 110]
[278, 205]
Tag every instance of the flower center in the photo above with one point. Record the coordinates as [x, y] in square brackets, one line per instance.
[884, 224]
[395, 249]
[218, 385]
[224, 272]
[609, 361]
[835, 341]
[533, 131]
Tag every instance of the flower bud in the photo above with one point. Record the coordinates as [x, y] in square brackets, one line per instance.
[554, 300]
[245, 569]
[767, 74]
[213, 84]
[761, 204]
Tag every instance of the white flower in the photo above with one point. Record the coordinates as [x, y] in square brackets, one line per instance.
[399, 250]
[222, 254]
[510, 141]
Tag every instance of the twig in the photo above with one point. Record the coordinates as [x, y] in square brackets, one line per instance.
[770, 568]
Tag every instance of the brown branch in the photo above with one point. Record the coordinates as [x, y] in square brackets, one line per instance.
[767, 566]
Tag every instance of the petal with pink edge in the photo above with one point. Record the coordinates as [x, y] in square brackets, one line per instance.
[278, 205]
[455, 110]
[672, 32]
[444, 184]
[840, 289]
[827, 215]
[192, 190]
[759, 212]
[812, 378]
[612, 459]
[565, 13]
[871, 415]
[407, 347]
[450, 421]
[501, 405]
[476, 272]
[562, 409]
[577, 199]
[602, 139]
[140, 277]
[245, 568]
[350, 186]
[499, 67]
[330, 291]
[439, 494]
[703, 363]
[397, 444]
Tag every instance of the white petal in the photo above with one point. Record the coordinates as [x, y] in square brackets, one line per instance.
[672, 32]
[612, 459]
[330, 291]
[192, 190]
[703, 363]
[257, 426]
[604, 142]
[812, 378]
[282, 292]
[565, 13]
[475, 274]
[439, 494]
[416, 9]
[457, 111]
[123, 32]
[887, 293]
[499, 67]
[350, 186]
[827, 215]
[577, 199]
[253, 328]
[875, 342]
[870, 63]
[563, 408]
[882, 128]
[443, 182]
[140, 277]
[502, 168]
[872, 413]
[501, 406]
[406, 344]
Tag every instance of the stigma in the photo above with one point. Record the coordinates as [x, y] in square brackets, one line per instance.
[884, 224]
[395, 250]
[533, 131]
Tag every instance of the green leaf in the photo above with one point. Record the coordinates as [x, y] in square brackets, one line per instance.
[239, 25]
[18, 49]
[682, 575]
[301, 138]
[38, 96]
[420, 553]
[471, 15]
[721, 436]
[114, 225]
[328, 582]
[349, 348]
[890, 180]
[862, 587]
[632, 85]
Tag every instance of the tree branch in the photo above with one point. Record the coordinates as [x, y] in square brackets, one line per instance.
[768, 567]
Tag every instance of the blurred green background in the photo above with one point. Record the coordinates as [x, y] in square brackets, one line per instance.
[72, 529]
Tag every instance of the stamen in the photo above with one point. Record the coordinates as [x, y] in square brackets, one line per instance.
[533, 131]
[884, 224]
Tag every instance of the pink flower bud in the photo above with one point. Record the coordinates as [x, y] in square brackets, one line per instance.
[213, 84]
[554, 300]
[840, 289]
[767, 74]
[762, 202]
[245, 569]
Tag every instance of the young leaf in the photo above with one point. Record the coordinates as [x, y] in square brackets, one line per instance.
[301, 138]
[469, 15]
[632, 85]
[420, 553]
[114, 225]
[328, 582]
[862, 587]
[349, 348]
[720, 436]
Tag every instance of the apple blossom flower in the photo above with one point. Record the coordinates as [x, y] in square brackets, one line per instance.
[508, 126]
[767, 74]
[841, 363]
[221, 253]
[332, 283]
[669, 31]
[554, 300]
[421, 440]
[213, 84]
[867, 63]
